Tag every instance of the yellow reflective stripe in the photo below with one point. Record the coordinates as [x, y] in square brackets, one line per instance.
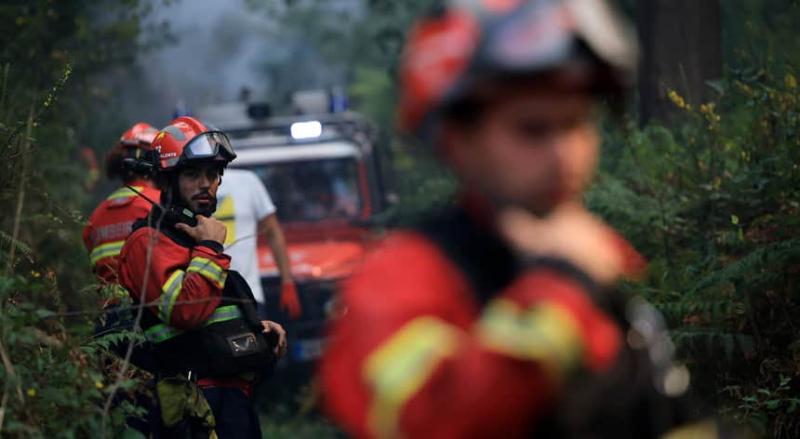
[701, 430]
[209, 269]
[124, 193]
[170, 292]
[223, 314]
[163, 332]
[546, 333]
[399, 368]
[106, 250]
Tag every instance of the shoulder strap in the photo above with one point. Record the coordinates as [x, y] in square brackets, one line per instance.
[485, 261]
[165, 226]
[236, 288]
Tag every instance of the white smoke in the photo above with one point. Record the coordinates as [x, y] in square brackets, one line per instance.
[218, 48]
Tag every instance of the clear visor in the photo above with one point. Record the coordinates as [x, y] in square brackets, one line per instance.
[209, 145]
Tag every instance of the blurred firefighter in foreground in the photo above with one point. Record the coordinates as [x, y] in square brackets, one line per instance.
[499, 317]
[209, 343]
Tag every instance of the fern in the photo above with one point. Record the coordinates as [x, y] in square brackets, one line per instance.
[22, 247]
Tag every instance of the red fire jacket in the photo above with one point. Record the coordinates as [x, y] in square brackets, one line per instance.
[110, 224]
[183, 285]
[415, 353]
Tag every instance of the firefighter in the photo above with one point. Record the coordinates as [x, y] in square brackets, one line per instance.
[200, 315]
[111, 221]
[498, 317]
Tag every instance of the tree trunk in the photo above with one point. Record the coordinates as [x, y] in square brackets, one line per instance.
[681, 50]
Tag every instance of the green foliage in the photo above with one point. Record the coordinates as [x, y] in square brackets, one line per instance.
[776, 405]
[53, 384]
[283, 422]
[714, 204]
[52, 377]
[287, 406]
[712, 200]
[761, 33]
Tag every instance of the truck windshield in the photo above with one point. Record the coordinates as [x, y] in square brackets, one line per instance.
[312, 190]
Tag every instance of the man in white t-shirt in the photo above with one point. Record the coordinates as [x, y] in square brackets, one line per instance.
[246, 209]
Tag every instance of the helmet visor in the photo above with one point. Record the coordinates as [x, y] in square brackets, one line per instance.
[209, 145]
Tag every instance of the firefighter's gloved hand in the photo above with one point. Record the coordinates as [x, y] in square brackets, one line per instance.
[290, 302]
[207, 229]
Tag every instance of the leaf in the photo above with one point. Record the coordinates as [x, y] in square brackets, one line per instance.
[43, 314]
[717, 85]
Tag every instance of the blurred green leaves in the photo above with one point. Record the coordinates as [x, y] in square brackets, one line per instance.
[713, 201]
[51, 60]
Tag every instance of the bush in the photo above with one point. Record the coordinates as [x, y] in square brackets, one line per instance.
[53, 379]
[52, 375]
[714, 205]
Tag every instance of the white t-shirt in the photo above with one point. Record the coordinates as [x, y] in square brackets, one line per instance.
[243, 201]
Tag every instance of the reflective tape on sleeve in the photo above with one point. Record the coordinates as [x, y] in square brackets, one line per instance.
[546, 333]
[208, 269]
[401, 366]
[106, 250]
[169, 295]
[163, 332]
[223, 314]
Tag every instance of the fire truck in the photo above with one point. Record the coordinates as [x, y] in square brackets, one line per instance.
[323, 173]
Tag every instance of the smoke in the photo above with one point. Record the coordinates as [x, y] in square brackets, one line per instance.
[218, 47]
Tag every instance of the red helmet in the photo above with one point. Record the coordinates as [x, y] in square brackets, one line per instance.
[462, 42]
[131, 144]
[186, 139]
[140, 135]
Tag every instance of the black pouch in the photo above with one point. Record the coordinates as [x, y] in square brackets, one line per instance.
[226, 348]
[233, 347]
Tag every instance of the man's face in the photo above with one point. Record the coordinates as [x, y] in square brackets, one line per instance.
[198, 186]
[534, 147]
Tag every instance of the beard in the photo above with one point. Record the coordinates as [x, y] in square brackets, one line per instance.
[204, 207]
